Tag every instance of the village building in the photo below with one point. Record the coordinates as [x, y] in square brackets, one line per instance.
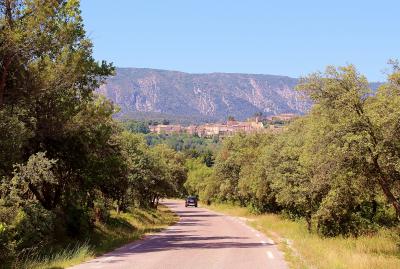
[166, 129]
[230, 128]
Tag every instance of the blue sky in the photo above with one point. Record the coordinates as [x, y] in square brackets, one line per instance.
[282, 37]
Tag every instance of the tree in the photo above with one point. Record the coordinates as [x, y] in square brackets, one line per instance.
[37, 177]
[291, 163]
[208, 158]
[153, 173]
[333, 167]
[233, 163]
[139, 171]
[64, 161]
[15, 135]
[137, 127]
[198, 179]
[174, 172]
[47, 101]
[44, 51]
[363, 126]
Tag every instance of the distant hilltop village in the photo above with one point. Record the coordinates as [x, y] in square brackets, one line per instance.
[256, 124]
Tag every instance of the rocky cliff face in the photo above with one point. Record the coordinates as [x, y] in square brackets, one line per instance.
[208, 96]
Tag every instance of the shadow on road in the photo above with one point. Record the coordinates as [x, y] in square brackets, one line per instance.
[194, 230]
[184, 235]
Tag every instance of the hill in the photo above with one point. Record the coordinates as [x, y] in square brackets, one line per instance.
[145, 93]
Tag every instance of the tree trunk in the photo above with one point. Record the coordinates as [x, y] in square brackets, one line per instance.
[8, 12]
[383, 182]
[118, 207]
[308, 220]
[46, 203]
[389, 195]
[3, 78]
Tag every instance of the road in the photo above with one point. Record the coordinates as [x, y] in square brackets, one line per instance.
[201, 239]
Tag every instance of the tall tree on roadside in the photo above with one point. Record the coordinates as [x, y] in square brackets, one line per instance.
[47, 82]
[363, 126]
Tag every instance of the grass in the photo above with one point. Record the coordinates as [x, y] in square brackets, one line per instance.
[305, 250]
[61, 259]
[121, 229]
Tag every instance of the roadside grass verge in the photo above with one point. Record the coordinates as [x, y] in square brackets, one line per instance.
[59, 259]
[119, 230]
[305, 250]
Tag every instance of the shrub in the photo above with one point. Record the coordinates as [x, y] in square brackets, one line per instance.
[337, 215]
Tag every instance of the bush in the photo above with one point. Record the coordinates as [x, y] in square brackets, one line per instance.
[33, 227]
[6, 246]
[337, 215]
[25, 229]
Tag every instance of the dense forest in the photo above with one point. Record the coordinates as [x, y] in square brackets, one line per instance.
[338, 167]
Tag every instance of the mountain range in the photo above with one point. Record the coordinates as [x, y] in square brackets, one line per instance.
[144, 93]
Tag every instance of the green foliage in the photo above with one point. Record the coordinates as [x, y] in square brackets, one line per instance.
[208, 158]
[64, 161]
[153, 173]
[191, 146]
[140, 127]
[14, 135]
[37, 177]
[337, 167]
[174, 170]
[33, 226]
[199, 181]
[236, 171]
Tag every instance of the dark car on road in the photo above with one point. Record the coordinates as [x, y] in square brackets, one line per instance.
[191, 201]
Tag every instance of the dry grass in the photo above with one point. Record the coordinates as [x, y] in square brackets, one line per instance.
[61, 259]
[121, 229]
[379, 251]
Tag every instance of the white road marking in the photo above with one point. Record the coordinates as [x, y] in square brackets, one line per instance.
[135, 246]
[263, 242]
[270, 255]
[108, 259]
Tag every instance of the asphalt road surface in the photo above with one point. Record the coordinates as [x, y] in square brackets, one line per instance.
[202, 239]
